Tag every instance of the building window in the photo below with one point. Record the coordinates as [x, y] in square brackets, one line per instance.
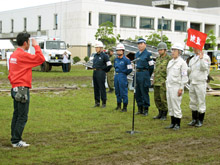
[90, 19]
[55, 21]
[107, 17]
[128, 21]
[146, 23]
[12, 26]
[25, 24]
[180, 26]
[0, 26]
[166, 24]
[39, 23]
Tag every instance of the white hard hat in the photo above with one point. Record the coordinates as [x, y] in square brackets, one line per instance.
[98, 44]
[120, 47]
[178, 46]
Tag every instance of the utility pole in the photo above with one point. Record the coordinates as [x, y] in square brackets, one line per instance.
[162, 24]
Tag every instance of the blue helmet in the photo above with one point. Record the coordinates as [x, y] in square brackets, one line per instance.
[141, 40]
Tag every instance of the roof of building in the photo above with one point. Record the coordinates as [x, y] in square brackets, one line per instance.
[192, 3]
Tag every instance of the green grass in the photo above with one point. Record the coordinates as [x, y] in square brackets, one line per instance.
[216, 75]
[63, 128]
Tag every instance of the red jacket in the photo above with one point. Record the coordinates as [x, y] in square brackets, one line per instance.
[21, 64]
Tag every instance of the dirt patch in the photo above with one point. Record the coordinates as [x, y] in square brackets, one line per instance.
[178, 151]
[216, 77]
[54, 79]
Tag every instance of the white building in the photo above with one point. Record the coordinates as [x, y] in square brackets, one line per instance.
[76, 21]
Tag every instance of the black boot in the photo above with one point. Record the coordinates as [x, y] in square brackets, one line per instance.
[159, 115]
[200, 119]
[124, 107]
[140, 110]
[172, 123]
[111, 91]
[164, 115]
[194, 118]
[103, 103]
[177, 125]
[97, 103]
[145, 111]
[118, 106]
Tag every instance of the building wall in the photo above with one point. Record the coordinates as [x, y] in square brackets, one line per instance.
[73, 21]
[79, 51]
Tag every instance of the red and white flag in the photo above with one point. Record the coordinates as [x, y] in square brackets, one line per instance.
[196, 39]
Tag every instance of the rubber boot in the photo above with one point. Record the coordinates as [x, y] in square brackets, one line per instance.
[118, 106]
[103, 103]
[200, 119]
[159, 115]
[111, 91]
[124, 107]
[145, 111]
[172, 123]
[164, 115]
[97, 103]
[140, 110]
[194, 118]
[177, 125]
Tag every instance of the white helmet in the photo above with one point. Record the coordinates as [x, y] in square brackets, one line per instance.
[178, 46]
[120, 47]
[98, 44]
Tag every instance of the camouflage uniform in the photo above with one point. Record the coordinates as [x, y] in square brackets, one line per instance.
[110, 74]
[160, 74]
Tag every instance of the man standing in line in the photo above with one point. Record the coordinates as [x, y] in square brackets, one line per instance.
[198, 73]
[160, 74]
[175, 82]
[101, 65]
[110, 74]
[144, 69]
[20, 77]
[122, 68]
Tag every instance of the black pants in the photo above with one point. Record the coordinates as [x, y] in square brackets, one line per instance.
[20, 117]
[65, 67]
[99, 85]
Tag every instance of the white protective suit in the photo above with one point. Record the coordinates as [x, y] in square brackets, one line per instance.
[176, 79]
[198, 72]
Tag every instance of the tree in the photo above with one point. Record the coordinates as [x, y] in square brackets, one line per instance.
[155, 38]
[135, 38]
[211, 39]
[190, 48]
[106, 35]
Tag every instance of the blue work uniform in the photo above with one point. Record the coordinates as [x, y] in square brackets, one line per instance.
[122, 69]
[144, 67]
[101, 65]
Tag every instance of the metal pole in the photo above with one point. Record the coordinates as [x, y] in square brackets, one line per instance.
[132, 130]
[162, 24]
[134, 95]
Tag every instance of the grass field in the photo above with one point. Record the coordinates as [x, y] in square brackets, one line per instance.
[63, 128]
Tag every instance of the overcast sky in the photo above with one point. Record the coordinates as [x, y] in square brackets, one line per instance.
[17, 4]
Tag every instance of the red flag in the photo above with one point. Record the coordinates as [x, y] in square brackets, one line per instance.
[196, 39]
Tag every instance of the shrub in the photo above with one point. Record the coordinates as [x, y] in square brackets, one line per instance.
[86, 59]
[76, 59]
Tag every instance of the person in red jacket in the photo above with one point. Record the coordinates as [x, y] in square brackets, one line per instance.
[20, 77]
